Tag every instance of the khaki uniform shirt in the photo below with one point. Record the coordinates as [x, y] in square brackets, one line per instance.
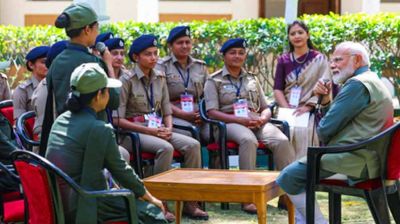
[4, 88]
[197, 71]
[39, 98]
[22, 96]
[133, 98]
[220, 94]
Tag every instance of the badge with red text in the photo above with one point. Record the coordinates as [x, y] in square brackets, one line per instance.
[295, 94]
[240, 108]
[187, 102]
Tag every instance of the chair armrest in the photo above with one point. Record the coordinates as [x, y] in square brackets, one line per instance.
[9, 170]
[284, 124]
[194, 131]
[20, 128]
[136, 150]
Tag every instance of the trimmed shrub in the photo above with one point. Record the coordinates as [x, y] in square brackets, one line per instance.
[267, 39]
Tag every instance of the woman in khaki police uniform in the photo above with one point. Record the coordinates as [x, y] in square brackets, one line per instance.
[116, 46]
[22, 95]
[82, 146]
[145, 108]
[235, 97]
[185, 79]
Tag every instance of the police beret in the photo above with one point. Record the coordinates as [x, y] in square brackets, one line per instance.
[80, 15]
[231, 43]
[104, 36]
[55, 50]
[37, 52]
[142, 43]
[115, 43]
[179, 31]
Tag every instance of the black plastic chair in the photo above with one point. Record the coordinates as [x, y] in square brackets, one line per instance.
[40, 179]
[24, 129]
[373, 190]
[225, 148]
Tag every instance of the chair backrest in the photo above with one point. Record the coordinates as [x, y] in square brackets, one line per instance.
[40, 187]
[393, 164]
[6, 108]
[24, 129]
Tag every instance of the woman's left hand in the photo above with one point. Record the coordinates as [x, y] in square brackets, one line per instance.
[303, 109]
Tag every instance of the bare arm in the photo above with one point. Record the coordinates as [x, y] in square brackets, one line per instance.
[280, 98]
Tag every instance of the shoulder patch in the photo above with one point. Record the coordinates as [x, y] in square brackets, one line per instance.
[127, 75]
[219, 72]
[164, 59]
[26, 84]
[199, 61]
[159, 73]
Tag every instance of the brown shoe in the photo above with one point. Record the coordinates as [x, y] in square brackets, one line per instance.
[249, 208]
[168, 215]
[192, 210]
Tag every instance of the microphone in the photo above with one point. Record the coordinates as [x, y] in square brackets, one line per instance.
[318, 106]
[101, 47]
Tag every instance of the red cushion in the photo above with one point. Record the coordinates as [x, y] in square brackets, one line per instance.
[150, 156]
[14, 211]
[35, 182]
[8, 112]
[29, 126]
[365, 185]
[393, 165]
[231, 145]
[12, 196]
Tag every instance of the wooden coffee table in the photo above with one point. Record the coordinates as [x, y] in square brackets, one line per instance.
[256, 187]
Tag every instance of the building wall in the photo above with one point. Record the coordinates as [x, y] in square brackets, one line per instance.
[390, 7]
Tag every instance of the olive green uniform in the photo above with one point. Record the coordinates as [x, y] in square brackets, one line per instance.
[82, 146]
[58, 78]
[220, 94]
[134, 105]
[22, 96]
[197, 71]
[4, 88]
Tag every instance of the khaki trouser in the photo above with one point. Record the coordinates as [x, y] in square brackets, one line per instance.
[301, 138]
[189, 147]
[204, 129]
[270, 135]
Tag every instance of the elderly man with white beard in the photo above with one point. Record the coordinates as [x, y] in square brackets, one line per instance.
[362, 109]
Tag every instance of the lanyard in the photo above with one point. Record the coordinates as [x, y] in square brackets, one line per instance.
[299, 64]
[237, 87]
[150, 98]
[185, 82]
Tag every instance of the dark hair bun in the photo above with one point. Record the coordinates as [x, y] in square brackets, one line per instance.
[62, 21]
[73, 103]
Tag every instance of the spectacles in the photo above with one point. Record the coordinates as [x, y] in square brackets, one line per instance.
[339, 58]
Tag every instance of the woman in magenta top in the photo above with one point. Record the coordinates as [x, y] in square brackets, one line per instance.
[296, 74]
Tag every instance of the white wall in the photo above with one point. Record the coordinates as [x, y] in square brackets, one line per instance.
[244, 9]
[13, 11]
[122, 10]
[355, 6]
[193, 7]
[390, 7]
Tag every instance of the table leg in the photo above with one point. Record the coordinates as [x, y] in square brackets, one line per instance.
[178, 212]
[261, 205]
[290, 208]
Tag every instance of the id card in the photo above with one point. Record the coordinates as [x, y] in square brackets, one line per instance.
[153, 120]
[240, 108]
[295, 94]
[187, 102]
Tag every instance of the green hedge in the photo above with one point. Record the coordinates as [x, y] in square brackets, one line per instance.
[266, 37]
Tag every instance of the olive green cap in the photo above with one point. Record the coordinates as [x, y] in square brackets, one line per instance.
[90, 77]
[80, 15]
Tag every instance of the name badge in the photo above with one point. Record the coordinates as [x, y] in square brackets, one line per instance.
[240, 108]
[153, 120]
[295, 94]
[187, 102]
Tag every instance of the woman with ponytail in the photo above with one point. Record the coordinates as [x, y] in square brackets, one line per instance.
[83, 146]
[80, 22]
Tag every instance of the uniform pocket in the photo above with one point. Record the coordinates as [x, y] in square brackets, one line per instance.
[227, 94]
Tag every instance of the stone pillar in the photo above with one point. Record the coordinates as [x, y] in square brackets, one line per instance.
[291, 8]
